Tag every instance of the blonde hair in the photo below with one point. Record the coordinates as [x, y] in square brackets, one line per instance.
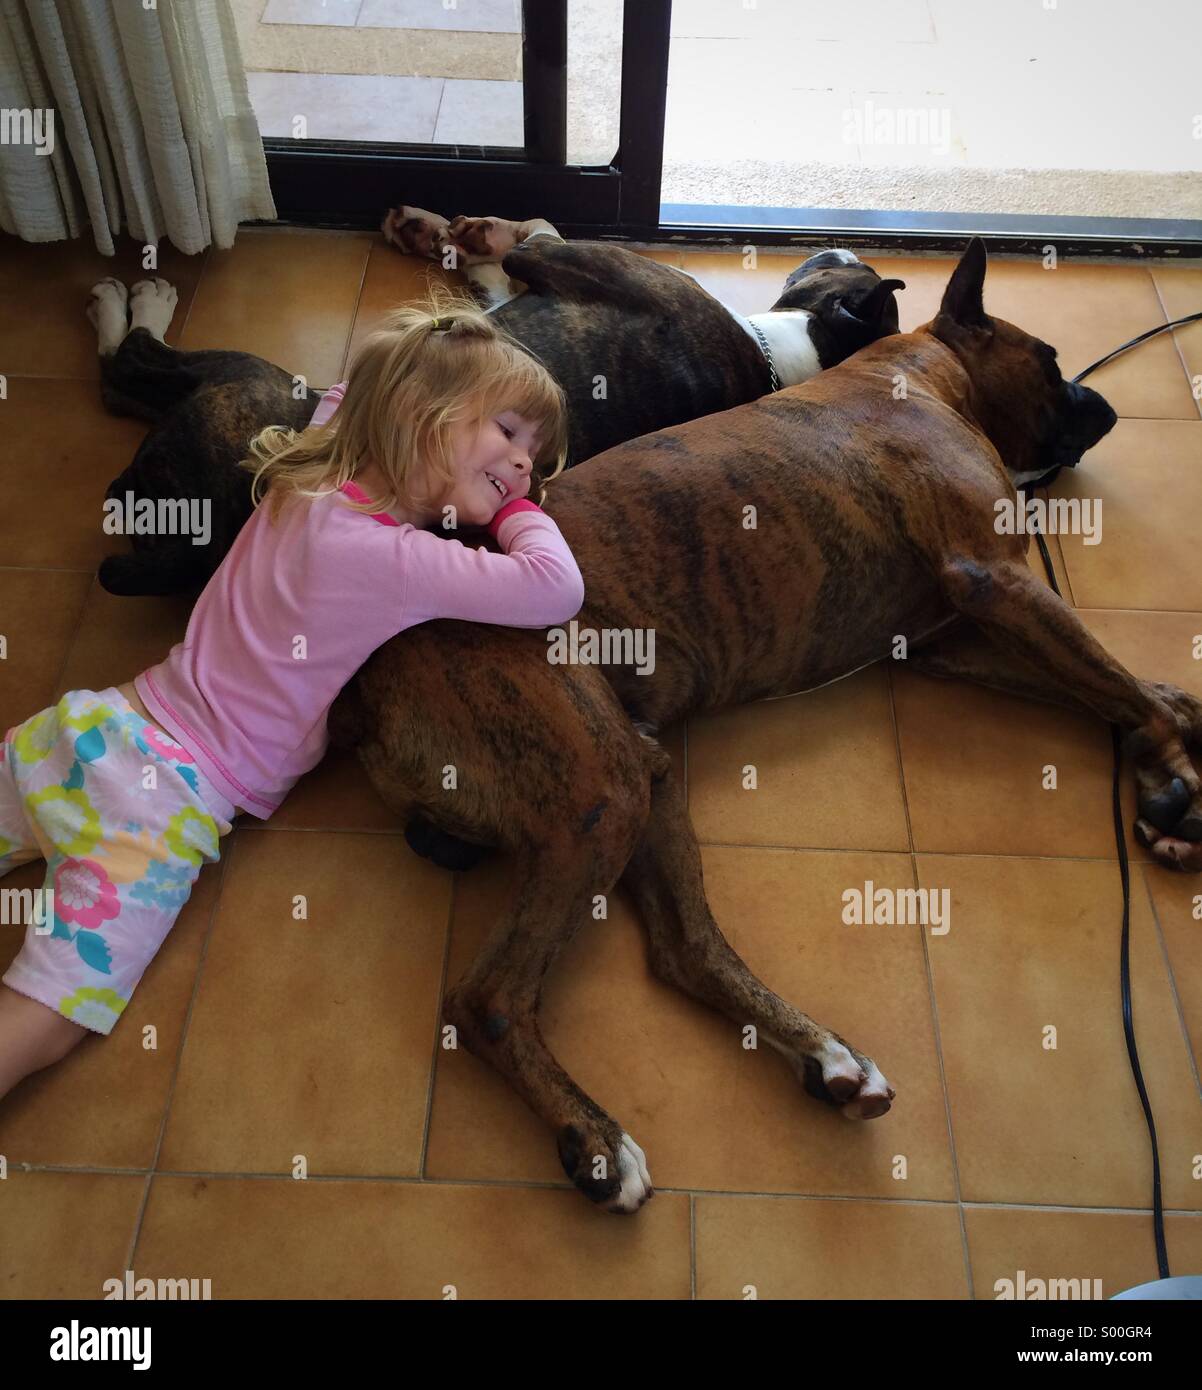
[430, 366]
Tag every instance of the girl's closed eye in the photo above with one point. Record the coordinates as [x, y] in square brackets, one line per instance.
[505, 430]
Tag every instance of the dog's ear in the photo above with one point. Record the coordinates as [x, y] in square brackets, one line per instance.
[862, 319]
[963, 300]
[878, 308]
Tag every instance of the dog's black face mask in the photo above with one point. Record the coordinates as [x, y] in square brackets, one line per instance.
[852, 305]
[1074, 419]
[1082, 418]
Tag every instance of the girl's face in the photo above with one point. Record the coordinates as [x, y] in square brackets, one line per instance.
[493, 465]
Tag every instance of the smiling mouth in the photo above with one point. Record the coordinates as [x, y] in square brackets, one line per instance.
[498, 484]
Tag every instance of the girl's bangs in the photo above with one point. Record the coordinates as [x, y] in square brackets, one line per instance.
[521, 384]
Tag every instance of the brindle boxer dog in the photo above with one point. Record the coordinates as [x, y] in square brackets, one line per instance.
[664, 349]
[876, 518]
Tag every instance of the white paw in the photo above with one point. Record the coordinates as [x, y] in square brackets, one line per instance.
[634, 1178]
[152, 304]
[841, 1073]
[106, 311]
[860, 1091]
[873, 1098]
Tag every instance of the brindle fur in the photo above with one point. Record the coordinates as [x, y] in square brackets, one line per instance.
[875, 517]
[205, 407]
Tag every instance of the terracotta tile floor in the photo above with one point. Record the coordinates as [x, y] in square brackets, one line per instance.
[281, 1045]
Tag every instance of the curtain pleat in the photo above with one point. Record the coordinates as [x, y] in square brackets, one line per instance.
[153, 127]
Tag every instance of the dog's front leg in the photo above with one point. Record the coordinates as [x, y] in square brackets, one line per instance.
[689, 952]
[1022, 616]
[967, 654]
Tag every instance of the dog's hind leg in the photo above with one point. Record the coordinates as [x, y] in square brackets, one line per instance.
[494, 1007]
[548, 767]
[688, 950]
[152, 306]
[108, 313]
[147, 378]
[115, 311]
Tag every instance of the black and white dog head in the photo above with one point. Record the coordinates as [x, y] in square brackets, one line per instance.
[851, 304]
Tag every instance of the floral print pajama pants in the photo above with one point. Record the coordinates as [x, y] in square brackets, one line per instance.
[124, 819]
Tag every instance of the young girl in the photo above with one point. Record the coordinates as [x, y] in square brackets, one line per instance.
[126, 792]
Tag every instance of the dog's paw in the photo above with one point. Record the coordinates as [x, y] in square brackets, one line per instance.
[1169, 820]
[1181, 849]
[846, 1079]
[480, 239]
[612, 1173]
[1186, 708]
[107, 311]
[415, 231]
[108, 290]
[152, 305]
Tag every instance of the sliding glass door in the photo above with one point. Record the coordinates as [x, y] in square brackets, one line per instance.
[908, 123]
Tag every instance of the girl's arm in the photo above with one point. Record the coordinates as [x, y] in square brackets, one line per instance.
[534, 584]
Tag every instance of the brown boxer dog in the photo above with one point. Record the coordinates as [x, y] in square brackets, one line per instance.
[769, 549]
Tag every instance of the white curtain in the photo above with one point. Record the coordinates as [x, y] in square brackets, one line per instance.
[151, 126]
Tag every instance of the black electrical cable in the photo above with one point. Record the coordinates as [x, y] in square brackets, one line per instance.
[1120, 839]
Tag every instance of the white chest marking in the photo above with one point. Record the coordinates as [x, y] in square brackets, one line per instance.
[788, 334]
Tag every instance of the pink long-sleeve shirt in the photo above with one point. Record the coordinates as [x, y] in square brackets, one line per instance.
[301, 602]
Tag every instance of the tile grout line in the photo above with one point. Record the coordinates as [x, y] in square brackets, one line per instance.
[692, 1247]
[932, 1003]
[1168, 965]
[1168, 318]
[535, 1185]
[183, 328]
[442, 992]
[1068, 583]
[45, 569]
[74, 637]
[179, 1056]
[354, 319]
[883, 849]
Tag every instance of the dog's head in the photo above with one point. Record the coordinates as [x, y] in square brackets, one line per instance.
[1038, 422]
[850, 302]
